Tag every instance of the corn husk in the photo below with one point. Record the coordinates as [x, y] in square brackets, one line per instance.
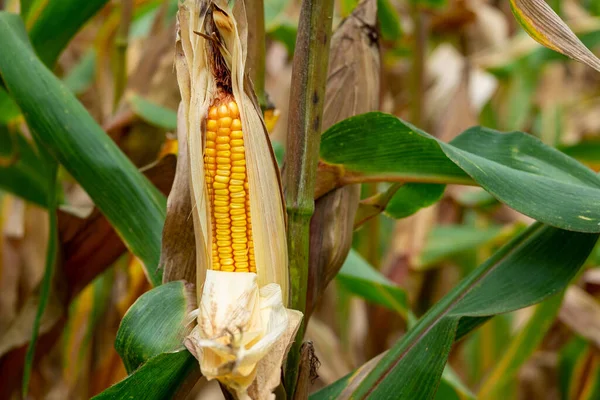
[244, 328]
[352, 89]
[242, 334]
[198, 88]
[178, 255]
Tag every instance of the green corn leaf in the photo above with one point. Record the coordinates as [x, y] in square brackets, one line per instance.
[572, 357]
[485, 345]
[444, 242]
[521, 347]
[517, 169]
[388, 20]
[545, 26]
[412, 197]
[154, 324]
[430, 3]
[285, 33]
[273, 12]
[62, 125]
[150, 343]
[158, 379]
[392, 150]
[22, 172]
[145, 16]
[9, 111]
[152, 113]
[25, 7]
[451, 387]
[279, 150]
[535, 265]
[50, 167]
[81, 76]
[587, 151]
[358, 277]
[399, 201]
[57, 23]
[579, 370]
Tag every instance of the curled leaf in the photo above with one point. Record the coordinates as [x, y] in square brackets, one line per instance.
[547, 28]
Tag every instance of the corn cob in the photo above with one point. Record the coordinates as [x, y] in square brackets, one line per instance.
[227, 184]
[243, 328]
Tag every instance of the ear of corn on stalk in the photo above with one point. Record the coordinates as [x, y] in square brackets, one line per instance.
[244, 328]
[352, 89]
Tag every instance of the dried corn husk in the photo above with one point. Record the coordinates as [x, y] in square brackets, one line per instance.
[244, 329]
[352, 89]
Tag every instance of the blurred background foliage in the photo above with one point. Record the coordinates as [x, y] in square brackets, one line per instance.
[446, 65]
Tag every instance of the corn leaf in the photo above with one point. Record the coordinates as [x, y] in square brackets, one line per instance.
[158, 379]
[521, 347]
[579, 370]
[22, 174]
[61, 124]
[430, 3]
[444, 242]
[451, 387]
[25, 7]
[145, 16]
[285, 33]
[411, 197]
[273, 11]
[486, 345]
[152, 113]
[51, 170]
[587, 151]
[150, 343]
[505, 64]
[81, 76]
[389, 20]
[533, 266]
[154, 324]
[9, 110]
[545, 26]
[361, 279]
[517, 169]
[392, 150]
[21, 169]
[57, 23]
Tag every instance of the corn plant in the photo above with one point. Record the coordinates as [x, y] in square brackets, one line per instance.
[235, 250]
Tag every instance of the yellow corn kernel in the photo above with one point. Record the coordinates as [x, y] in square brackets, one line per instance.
[227, 184]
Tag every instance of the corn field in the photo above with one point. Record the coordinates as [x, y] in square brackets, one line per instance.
[300, 199]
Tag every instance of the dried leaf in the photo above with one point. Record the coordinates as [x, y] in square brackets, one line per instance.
[307, 372]
[581, 313]
[93, 242]
[20, 330]
[545, 26]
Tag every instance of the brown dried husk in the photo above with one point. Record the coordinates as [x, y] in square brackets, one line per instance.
[352, 89]
[178, 256]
